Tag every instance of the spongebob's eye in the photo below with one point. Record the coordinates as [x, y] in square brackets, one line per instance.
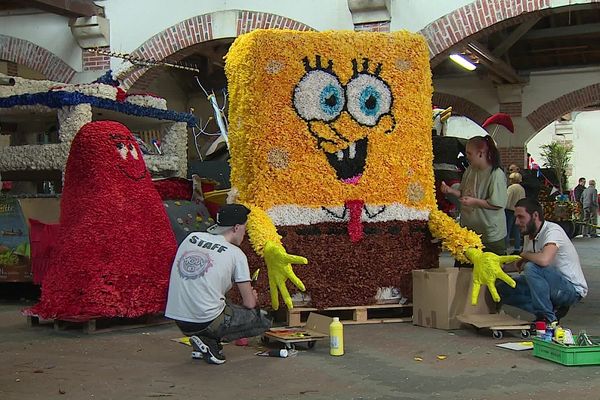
[368, 99]
[319, 96]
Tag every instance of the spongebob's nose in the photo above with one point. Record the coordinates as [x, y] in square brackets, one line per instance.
[336, 135]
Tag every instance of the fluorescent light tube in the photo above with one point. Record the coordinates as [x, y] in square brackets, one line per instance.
[463, 62]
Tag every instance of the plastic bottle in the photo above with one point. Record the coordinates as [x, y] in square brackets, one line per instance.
[336, 337]
[283, 353]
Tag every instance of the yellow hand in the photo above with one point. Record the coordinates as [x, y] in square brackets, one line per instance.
[279, 267]
[487, 267]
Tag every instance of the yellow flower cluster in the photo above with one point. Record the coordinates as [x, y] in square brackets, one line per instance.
[276, 157]
[455, 238]
[261, 229]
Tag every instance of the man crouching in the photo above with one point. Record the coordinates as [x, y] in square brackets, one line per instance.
[551, 280]
[205, 267]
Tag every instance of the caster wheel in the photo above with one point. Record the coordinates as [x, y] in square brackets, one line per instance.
[497, 334]
[311, 344]
[290, 346]
[525, 334]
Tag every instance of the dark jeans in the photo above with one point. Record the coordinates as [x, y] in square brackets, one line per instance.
[233, 323]
[539, 291]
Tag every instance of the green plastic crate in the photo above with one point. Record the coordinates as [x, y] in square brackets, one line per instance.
[566, 355]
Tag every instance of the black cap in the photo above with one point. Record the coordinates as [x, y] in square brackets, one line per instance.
[228, 216]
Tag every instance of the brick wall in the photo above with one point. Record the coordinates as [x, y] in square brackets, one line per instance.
[472, 19]
[512, 109]
[513, 155]
[556, 108]
[12, 69]
[23, 52]
[93, 61]
[460, 106]
[173, 44]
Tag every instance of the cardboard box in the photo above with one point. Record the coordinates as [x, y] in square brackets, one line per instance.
[441, 294]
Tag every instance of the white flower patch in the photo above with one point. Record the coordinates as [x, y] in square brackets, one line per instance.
[25, 86]
[147, 101]
[161, 163]
[286, 215]
[34, 157]
[71, 119]
[174, 145]
[90, 89]
[395, 212]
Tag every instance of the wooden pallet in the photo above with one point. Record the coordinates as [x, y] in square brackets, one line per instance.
[373, 314]
[99, 324]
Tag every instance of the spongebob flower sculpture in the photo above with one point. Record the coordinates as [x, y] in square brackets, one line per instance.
[330, 143]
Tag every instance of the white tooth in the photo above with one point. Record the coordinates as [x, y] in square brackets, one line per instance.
[352, 148]
[340, 155]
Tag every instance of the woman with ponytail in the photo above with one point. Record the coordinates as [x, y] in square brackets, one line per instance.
[482, 194]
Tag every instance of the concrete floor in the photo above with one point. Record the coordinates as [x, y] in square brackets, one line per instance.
[39, 363]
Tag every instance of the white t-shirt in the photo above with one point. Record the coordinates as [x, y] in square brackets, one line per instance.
[566, 259]
[205, 268]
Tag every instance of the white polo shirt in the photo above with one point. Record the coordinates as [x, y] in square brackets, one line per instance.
[566, 259]
[205, 268]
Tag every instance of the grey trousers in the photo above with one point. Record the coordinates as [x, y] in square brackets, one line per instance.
[233, 323]
[590, 216]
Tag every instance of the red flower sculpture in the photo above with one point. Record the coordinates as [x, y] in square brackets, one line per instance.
[115, 245]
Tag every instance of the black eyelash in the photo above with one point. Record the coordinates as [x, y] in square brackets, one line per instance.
[318, 64]
[365, 68]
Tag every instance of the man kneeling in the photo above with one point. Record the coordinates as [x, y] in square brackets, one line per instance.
[551, 280]
[205, 267]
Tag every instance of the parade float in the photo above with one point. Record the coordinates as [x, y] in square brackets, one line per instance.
[331, 148]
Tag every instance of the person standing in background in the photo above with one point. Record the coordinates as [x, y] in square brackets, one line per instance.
[577, 192]
[482, 194]
[515, 192]
[589, 200]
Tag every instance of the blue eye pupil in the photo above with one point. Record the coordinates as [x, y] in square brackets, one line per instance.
[370, 101]
[330, 100]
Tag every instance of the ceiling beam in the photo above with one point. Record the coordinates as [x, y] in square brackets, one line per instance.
[514, 36]
[67, 8]
[493, 63]
[563, 31]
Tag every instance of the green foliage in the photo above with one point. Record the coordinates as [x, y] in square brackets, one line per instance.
[557, 155]
[8, 258]
[24, 249]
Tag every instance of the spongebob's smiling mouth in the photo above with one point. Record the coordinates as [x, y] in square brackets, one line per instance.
[349, 163]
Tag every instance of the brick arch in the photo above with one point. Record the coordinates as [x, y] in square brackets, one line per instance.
[460, 106]
[478, 18]
[175, 43]
[556, 108]
[24, 52]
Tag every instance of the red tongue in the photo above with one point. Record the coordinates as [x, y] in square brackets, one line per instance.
[355, 228]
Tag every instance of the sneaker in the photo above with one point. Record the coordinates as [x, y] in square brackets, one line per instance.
[210, 349]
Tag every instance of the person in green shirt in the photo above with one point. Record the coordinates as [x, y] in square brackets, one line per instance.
[482, 194]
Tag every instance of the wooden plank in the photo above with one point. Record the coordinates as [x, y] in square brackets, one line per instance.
[100, 325]
[360, 314]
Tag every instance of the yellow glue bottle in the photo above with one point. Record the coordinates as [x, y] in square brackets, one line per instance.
[336, 337]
